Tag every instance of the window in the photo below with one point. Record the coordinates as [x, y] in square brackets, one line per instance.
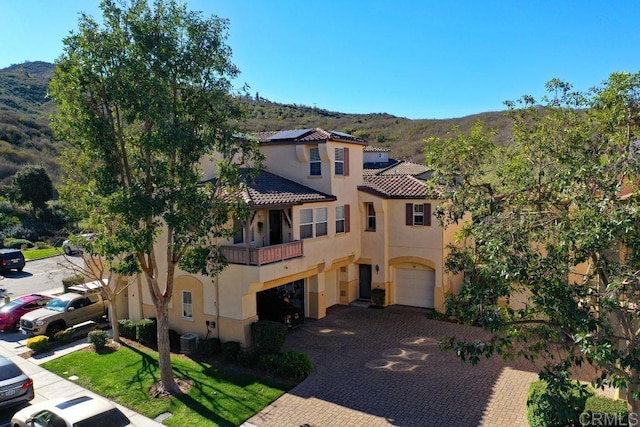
[339, 219]
[321, 222]
[342, 219]
[314, 163]
[418, 214]
[341, 163]
[187, 305]
[306, 223]
[371, 217]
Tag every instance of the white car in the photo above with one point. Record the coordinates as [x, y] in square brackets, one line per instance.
[71, 248]
[83, 411]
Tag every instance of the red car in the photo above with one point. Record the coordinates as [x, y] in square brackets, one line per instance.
[11, 312]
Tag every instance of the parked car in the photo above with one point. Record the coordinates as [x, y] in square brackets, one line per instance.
[272, 307]
[83, 411]
[72, 246]
[67, 310]
[11, 312]
[16, 387]
[11, 259]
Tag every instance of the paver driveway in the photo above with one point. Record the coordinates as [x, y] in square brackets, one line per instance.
[383, 367]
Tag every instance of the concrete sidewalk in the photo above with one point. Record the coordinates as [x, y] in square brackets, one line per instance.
[48, 385]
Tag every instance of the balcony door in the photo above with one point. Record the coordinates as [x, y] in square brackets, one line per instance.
[364, 281]
[275, 227]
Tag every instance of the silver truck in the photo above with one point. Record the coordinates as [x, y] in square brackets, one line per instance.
[62, 312]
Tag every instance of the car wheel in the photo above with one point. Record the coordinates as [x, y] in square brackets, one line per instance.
[16, 326]
[53, 330]
[20, 268]
[67, 250]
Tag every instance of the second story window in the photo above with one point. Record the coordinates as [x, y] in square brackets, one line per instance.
[306, 223]
[340, 219]
[321, 222]
[371, 217]
[418, 214]
[315, 165]
[341, 162]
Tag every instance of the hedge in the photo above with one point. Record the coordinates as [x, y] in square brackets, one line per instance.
[146, 332]
[73, 280]
[268, 337]
[545, 409]
[210, 347]
[604, 411]
[38, 344]
[289, 364]
[127, 329]
[99, 339]
[230, 351]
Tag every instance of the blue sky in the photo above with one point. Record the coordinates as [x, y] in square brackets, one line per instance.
[416, 59]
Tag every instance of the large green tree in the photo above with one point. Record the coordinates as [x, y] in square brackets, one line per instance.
[554, 219]
[143, 96]
[31, 185]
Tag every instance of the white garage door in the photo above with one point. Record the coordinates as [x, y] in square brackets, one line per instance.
[415, 287]
[331, 291]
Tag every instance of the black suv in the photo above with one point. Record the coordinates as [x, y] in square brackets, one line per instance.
[11, 259]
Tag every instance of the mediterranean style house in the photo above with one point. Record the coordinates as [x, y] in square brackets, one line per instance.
[332, 219]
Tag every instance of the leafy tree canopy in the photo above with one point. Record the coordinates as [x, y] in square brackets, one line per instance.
[142, 98]
[555, 222]
[32, 185]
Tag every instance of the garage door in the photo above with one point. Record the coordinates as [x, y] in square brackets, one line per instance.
[415, 287]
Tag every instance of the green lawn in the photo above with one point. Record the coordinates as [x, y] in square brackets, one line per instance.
[41, 253]
[218, 395]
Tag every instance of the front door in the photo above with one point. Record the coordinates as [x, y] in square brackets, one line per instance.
[364, 281]
[275, 227]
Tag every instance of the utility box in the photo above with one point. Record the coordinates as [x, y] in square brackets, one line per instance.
[188, 343]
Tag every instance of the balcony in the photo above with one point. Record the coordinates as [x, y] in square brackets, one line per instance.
[265, 255]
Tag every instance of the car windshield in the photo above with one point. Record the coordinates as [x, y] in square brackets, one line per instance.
[57, 304]
[10, 306]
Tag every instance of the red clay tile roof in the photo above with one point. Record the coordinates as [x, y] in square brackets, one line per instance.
[395, 187]
[268, 189]
[306, 136]
[372, 149]
[405, 168]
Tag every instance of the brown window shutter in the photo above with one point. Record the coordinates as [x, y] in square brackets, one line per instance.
[409, 210]
[427, 214]
[347, 219]
[346, 161]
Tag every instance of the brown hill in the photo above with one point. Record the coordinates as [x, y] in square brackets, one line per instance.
[25, 136]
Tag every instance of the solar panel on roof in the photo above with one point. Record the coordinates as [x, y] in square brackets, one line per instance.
[290, 134]
[335, 132]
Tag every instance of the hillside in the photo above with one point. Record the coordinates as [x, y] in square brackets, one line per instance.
[25, 136]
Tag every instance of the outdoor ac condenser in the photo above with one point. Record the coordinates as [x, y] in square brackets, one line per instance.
[189, 343]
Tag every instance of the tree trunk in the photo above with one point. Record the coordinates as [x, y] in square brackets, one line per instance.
[113, 318]
[164, 350]
[634, 404]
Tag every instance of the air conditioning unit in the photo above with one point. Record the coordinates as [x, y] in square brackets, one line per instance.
[189, 343]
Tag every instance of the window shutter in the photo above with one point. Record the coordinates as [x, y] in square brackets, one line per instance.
[427, 214]
[346, 161]
[409, 212]
[347, 219]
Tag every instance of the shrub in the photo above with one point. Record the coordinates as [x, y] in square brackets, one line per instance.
[73, 280]
[377, 296]
[210, 347]
[17, 243]
[146, 331]
[38, 344]
[289, 364]
[127, 329]
[615, 411]
[247, 358]
[64, 336]
[21, 231]
[230, 350]
[547, 407]
[268, 337]
[99, 339]
[42, 245]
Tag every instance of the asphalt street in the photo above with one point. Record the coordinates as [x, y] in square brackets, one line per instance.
[38, 276]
